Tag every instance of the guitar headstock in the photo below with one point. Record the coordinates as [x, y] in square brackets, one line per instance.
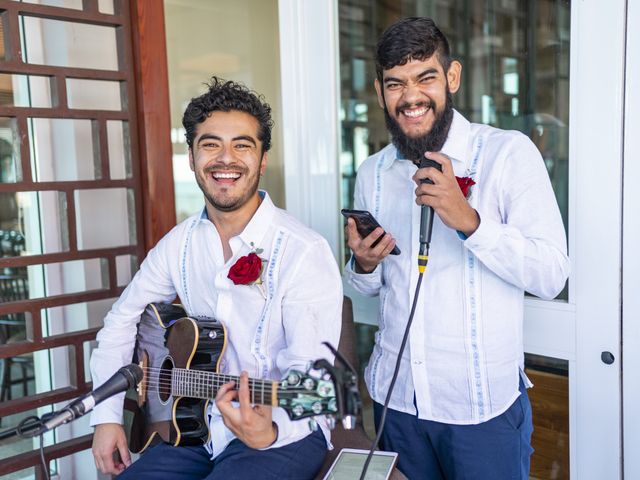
[324, 389]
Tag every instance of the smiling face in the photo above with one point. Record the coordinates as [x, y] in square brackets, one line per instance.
[227, 159]
[416, 97]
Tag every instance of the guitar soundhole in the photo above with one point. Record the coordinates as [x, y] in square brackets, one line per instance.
[164, 380]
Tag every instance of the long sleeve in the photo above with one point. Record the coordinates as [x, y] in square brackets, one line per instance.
[367, 284]
[311, 314]
[116, 340]
[527, 245]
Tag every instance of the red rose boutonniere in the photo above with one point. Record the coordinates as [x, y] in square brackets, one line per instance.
[465, 184]
[248, 269]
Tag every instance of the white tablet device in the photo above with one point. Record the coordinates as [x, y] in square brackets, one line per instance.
[349, 462]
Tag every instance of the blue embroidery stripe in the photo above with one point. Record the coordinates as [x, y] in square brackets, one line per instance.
[185, 288]
[258, 348]
[478, 381]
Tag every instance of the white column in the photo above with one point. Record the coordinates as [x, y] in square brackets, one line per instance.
[310, 123]
[630, 257]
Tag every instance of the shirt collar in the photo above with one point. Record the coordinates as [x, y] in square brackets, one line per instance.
[455, 147]
[257, 227]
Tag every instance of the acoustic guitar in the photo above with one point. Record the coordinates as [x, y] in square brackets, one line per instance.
[180, 357]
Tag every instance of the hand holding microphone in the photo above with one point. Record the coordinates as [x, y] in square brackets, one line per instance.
[438, 188]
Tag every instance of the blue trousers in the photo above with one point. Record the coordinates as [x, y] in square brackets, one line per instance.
[498, 449]
[300, 460]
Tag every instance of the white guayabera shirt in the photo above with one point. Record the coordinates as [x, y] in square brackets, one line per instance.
[271, 329]
[465, 350]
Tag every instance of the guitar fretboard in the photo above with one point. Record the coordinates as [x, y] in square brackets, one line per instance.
[205, 385]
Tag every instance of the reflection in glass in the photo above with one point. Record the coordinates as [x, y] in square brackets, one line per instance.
[94, 94]
[10, 170]
[550, 404]
[68, 44]
[118, 141]
[21, 232]
[63, 149]
[25, 90]
[100, 227]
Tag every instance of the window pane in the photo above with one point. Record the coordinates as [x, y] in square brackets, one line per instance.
[66, 277]
[25, 91]
[10, 170]
[64, 149]
[100, 227]
[68, 44]
[94, 94]
[118, 141]
[21, 230]
[74, 317]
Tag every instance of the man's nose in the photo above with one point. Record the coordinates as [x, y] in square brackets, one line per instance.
[225, 156]
[412, 93]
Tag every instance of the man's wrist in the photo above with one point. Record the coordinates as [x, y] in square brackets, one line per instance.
[359, 268]
[274, 428]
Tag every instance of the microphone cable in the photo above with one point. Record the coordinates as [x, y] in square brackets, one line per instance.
[423, 259]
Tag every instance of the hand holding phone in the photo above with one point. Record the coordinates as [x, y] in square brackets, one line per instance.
[365, 224]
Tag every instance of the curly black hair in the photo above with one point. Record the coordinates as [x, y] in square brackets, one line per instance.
[413, 38]
[225, 95]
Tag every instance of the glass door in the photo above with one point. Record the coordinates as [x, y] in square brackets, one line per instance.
[531, 65]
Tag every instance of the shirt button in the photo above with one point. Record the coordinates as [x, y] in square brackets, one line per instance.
[417, 362]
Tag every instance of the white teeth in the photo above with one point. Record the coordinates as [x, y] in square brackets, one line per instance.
[226, 175]
[415, 113]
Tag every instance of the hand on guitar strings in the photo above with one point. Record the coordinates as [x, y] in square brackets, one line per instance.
[252, 425]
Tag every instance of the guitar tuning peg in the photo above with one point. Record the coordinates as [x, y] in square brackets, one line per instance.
[313, 425]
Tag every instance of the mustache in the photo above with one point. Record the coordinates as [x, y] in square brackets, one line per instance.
[405, 105]
[221, 167]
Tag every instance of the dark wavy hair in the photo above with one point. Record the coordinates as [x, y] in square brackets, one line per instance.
[413, 38]
[224, 96]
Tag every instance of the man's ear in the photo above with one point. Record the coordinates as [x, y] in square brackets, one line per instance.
[263, 163]
[453, 76]
[191, 162]
[376, 84]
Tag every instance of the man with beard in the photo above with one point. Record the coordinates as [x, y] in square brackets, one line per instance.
[460, 409]
[276, 319]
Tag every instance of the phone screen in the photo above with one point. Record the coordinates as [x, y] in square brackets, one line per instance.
[349, 465]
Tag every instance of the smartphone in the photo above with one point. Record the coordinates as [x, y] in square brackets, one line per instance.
[366, 223]
[350, 461]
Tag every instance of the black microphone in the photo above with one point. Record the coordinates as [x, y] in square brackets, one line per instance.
[426, 213]
[125, 378]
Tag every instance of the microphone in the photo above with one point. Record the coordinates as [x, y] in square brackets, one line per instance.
[125, 378]
[426, 213]
[426, 220]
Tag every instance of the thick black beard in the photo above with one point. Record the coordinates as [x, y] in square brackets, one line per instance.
[414, 148]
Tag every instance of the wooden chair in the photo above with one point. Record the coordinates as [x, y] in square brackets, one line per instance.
[358, 437]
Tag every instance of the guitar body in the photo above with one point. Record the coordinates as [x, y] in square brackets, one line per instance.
[168, 339]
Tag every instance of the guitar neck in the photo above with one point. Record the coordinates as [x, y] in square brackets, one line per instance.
[205, 385]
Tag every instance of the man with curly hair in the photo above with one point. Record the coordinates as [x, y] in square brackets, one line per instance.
[272, 328]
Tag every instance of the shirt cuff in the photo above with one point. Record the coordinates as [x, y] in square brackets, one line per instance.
[367, 284]
[485, 236]
[288, 430]
[108, 411]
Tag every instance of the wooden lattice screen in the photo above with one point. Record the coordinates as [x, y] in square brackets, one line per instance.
[12, 14]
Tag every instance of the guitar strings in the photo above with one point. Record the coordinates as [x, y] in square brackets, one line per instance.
[204, 380]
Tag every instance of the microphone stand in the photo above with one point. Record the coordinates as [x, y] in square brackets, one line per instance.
[31, 427]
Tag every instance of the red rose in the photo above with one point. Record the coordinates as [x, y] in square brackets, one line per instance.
[465, 183]
[246, 270]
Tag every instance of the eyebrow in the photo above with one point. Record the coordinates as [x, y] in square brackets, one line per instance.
[211, 136]
[422, 74]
